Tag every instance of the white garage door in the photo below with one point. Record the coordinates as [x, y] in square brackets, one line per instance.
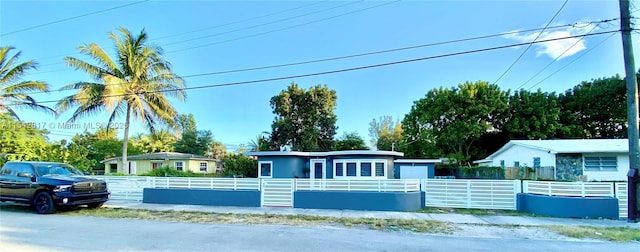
[414, 172]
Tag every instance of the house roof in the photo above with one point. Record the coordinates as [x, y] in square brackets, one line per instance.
[569, 146]
[326, 153]
[417, 161]
[162, 156]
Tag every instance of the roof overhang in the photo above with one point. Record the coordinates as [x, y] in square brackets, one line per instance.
[326, 153]
[417, 161]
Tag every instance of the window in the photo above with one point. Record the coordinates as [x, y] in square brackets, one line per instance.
[155, 165]
[516, 164]
[601, 163]
[379, 169]
[204, 166]
[502, 163]
[355, 168]
[265, 169]
[365, 169]
[351, 169]
[536, 162]
[179, 165]
[339, 168]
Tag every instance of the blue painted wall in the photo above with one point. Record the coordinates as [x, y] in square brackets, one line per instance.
[429, 166]
[287, 166]
[292, 166]
[373, 201]
[242, 198]
[569, 207]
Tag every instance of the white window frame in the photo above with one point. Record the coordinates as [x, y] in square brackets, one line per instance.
[312, 169]
[260, 169]
[600, 167]
[175, 164]
[206, 166]
[359, 168]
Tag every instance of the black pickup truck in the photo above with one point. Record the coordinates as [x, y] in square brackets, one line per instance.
[48, 186]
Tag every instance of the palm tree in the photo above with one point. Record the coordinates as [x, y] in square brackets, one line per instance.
[13, 92]
[136, 84]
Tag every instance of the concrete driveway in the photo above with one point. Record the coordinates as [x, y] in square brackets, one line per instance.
[26, 231]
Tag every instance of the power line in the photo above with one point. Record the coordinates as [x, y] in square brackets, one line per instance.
[242, 21]
[529, 46]
[359, 68]
[574, 60]
[74, 17]
[262, 33]
[263, 24]
[556, 59]
[202, 29]
[285, 28]
[362, 54]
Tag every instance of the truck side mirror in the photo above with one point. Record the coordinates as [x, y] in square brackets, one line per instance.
[632, 172]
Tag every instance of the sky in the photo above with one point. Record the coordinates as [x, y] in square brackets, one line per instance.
[200, 37]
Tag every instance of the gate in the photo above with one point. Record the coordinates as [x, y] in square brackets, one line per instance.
[277, 193]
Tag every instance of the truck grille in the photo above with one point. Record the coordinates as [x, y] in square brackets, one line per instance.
[89, 187]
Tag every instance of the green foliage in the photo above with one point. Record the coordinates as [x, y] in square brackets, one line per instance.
[531, 115]
[594, 109]
[238, 164]
[449, 121]
[14, 92]
[21, 141]
[99, 146]
[159, 141]
[168, 171]
[350, 141]
[193, 141]
[386, 134]
[305, 120]
[261, 143]
[137, 83]
[470, 172]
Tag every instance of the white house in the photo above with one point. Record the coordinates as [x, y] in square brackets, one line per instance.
[596, 159]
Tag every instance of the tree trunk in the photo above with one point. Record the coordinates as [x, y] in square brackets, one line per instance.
[125, 141]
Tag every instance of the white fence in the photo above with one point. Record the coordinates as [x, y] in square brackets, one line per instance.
[467, 193]
[623, 199]
[580, 189]
[206, 183]
[379, 185]
[128, 188]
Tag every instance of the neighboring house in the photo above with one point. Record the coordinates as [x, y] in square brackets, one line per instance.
[592, 159]
[363, 164]
[140, 164]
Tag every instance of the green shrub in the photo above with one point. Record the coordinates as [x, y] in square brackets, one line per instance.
[168, 171]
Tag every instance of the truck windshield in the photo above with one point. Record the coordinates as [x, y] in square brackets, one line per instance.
[58, 169]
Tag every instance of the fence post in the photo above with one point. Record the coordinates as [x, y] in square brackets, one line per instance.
[348, 185]
[582, 189]
[379, 185]
[468, 193]
[549, 188]
[211, 183]
[189, 182]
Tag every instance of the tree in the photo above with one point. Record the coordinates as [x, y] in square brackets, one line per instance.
[192, 140]
[136, 84]
[261, 143]
[99, 146]
[594, 109]
[531, 115]
[238, 164]
[21, 141]
[13, 91]
[304, 120]
[449, 121]
[160, 141]
[386, 134]
[216, 150]
[350, 141]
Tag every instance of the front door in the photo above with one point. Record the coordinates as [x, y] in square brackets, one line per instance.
[318, 168]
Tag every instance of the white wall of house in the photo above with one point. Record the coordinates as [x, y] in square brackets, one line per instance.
[618, 175]
[523, 155]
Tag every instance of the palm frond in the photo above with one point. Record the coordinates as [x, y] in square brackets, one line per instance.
[16, 72]
[27, 86]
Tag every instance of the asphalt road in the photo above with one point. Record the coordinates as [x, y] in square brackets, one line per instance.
[25, 231]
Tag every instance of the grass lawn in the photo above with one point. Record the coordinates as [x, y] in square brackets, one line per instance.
[475, 211]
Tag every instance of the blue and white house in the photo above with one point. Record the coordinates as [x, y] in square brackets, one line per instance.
[348, 164]
[593, 159]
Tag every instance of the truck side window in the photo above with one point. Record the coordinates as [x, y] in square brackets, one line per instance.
[9, 170]
[24, 168]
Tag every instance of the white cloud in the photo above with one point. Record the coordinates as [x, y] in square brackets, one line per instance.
[557, 48]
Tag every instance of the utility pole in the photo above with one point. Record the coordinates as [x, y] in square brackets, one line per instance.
[632, 112]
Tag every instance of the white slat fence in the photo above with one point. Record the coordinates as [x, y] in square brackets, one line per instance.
[466, 193]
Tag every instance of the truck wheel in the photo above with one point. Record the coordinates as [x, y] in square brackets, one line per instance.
[95, 205]
[43, 203]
